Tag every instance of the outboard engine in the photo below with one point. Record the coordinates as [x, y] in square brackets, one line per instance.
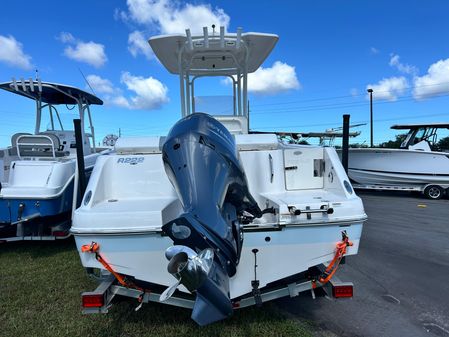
[201, 161]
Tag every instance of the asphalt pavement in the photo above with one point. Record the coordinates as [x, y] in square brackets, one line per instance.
[400, 276]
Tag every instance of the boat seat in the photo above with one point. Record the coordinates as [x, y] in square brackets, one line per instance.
[422, 145]
[17, 135]
[236, 125]
[13, 150]
[38, 145]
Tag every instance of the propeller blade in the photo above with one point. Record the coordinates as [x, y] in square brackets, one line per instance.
[169, 292]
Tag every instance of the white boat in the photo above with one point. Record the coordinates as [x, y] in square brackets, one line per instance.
[252, 218]
[414, 165]
[37, 171]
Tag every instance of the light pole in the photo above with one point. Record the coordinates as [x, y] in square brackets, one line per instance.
[370, 91]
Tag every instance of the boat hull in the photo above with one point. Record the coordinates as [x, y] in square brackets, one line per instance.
[9, 208]
[398, 167]
[28, 214]
[288, 250]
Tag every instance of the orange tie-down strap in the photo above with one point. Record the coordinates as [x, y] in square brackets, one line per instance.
[95, 249]
[330, 270]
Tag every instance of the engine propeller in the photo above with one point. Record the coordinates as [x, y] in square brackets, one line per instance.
[188, 267]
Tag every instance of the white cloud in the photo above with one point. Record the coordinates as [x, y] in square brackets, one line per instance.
[280, 77]
[403, 68]
[354, 92]
[137, 44]
[66, 37]
[11, 52]
[120, 15]
[374, 50]
[149, 92]
[389, 88]
[89, 52]
[435, 82]
[120, 101]
[169, 17]
[101, 85]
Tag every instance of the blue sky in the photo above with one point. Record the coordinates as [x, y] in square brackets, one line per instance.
[329, 52]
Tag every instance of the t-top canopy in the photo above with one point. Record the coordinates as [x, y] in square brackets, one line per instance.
[219, 53]
[51, 93]
[417, 126]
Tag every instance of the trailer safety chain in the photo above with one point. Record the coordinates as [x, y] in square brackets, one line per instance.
[95, 249]
[330, 270]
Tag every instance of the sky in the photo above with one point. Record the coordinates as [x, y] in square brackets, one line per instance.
[328, 54]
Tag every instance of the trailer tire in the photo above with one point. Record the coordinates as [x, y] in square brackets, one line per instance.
[433, 192]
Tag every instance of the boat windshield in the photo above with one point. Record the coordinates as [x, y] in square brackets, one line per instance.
[215, 105]
[419, 136]
[436, 140]
[58, 118]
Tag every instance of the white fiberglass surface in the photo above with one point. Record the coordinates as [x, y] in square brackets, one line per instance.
[132, 205]
[399, 161]
[310, 196]
[280, 254]
[127, 215]
[30, 174]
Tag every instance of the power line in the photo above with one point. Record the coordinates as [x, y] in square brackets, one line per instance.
[336, 106]
[348, 96]
[356, 122]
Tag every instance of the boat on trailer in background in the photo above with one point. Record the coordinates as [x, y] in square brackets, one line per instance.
[416, 166]
[213, 217]
[38, 170]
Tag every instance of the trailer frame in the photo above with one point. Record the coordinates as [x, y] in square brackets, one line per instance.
[108, 288]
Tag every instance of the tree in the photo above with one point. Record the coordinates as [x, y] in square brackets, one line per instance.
[443, 144]
[358, 145]
[394, 144]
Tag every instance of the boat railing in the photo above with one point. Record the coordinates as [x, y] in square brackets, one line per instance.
[37, 146]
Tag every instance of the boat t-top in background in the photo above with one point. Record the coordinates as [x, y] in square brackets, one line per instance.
[239, 218]
[416, 166]
[37, 171]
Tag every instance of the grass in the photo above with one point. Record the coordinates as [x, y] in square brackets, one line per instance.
[40, 287]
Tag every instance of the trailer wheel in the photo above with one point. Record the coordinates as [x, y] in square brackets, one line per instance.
[434, 192]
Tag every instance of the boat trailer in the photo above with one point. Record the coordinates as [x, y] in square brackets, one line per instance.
[100, 300]
[430, 191]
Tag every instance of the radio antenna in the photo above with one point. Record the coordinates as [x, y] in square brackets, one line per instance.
[85, 79]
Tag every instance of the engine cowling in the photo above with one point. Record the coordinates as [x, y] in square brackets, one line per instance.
[201, 161]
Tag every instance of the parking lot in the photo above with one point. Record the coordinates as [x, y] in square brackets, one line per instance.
[401, 275]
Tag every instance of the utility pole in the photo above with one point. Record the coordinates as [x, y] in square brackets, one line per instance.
[370, 91]
[345, 142]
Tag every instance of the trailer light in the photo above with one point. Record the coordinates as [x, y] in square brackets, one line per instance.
[343, 291]
[60, 234]
[236, 305]
[92, 300]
